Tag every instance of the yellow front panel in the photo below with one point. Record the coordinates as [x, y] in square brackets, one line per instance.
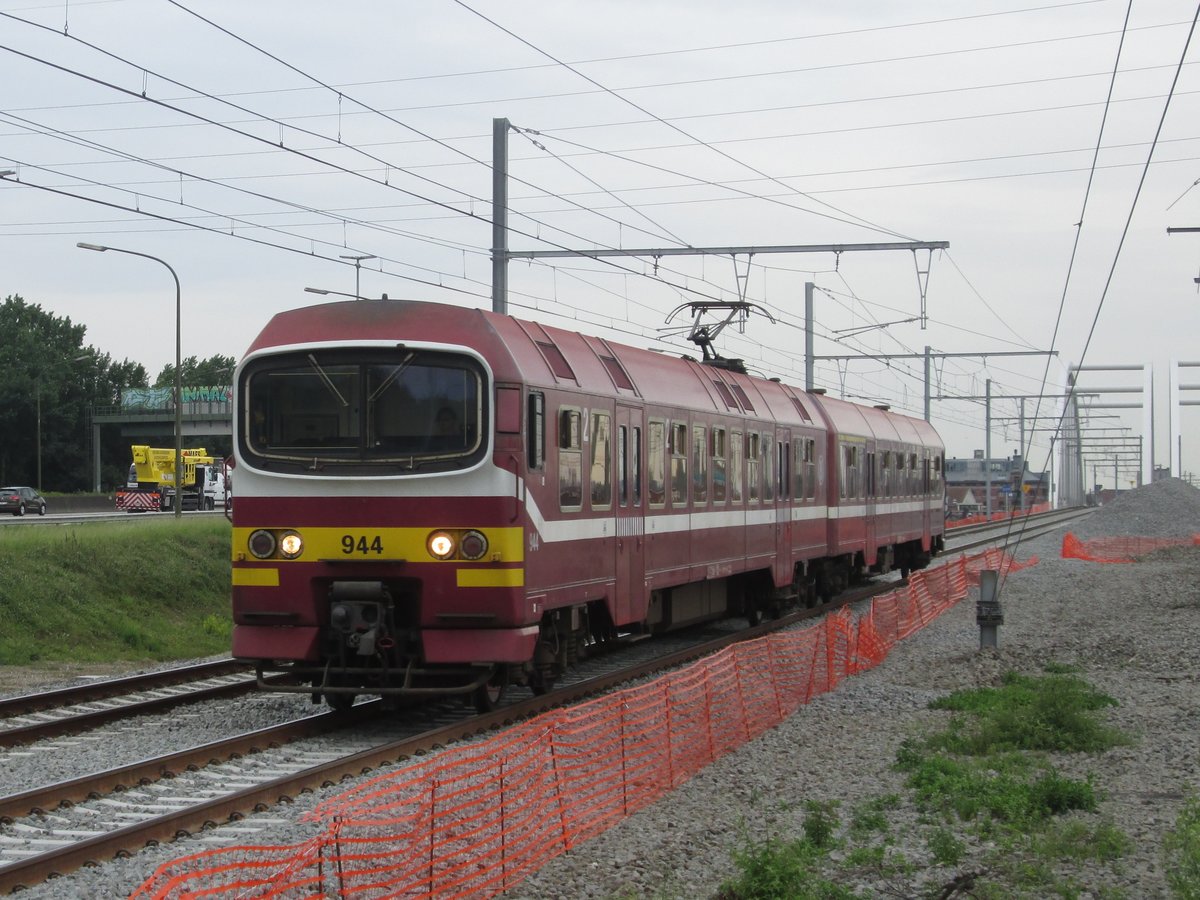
[255, 577]
[502, 578]
[504, 544]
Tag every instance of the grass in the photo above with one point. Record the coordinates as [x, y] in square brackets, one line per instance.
[1182, 852]
[145, 590]
[1053, 712]
[997, 819]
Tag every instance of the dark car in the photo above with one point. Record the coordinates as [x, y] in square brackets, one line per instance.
[19, 500]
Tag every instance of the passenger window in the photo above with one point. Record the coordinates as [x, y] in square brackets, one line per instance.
[736, 449]
[535, 438]
[798, 469]
[783, 461]
[656, 472]
[699, 464]
[570, 461]
[752, 476]
[623, 465]
[718, 465]
[679, 464]
[810, 467]
[637, 466]
[768, 468]
[851, 487]
[601, 438]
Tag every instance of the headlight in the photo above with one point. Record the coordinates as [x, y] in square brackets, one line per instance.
[291, 545]
[261, 544]
[473, 545]
[441, 545]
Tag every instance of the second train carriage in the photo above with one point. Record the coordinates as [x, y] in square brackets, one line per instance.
[433, 499]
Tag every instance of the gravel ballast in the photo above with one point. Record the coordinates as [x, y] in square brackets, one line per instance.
[1133, 631]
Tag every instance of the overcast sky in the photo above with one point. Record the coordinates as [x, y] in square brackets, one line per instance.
[253, 148]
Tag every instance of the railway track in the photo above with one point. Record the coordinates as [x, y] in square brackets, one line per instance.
[1008, 531]
[56, 828]
[70, 710]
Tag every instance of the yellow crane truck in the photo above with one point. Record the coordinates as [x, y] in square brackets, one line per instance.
[153, 487]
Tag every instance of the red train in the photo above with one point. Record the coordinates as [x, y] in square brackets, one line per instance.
[436, 500]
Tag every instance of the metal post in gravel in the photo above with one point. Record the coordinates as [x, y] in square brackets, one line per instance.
[987, 609]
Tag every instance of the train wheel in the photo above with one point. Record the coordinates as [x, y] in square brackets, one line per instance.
[489, 694]
[339, 702]
[541, 682]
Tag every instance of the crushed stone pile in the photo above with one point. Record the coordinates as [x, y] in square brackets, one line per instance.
[1169, 508]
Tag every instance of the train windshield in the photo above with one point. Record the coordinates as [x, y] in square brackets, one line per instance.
[375, 412]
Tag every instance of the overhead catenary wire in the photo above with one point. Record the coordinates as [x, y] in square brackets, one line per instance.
[246, 134]
[841, 216]
[340, 94]
[623, 275]
[291, 150]
[1116, 256]
[815, 36]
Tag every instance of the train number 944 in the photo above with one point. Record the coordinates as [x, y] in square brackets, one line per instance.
[361, 545]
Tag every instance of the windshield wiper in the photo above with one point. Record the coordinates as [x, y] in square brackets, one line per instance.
[395, 373]
[328, 382]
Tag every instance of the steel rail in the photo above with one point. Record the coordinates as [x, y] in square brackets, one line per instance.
[1066, 513]
[72, 723]
[205, 814]
[76, 790]
[112, 687]
[1007, 533]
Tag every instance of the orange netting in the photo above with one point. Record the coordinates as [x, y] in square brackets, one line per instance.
[476, 819]
[1119, 549]
[997, 517]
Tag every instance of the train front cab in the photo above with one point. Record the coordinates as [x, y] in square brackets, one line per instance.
[370, 553]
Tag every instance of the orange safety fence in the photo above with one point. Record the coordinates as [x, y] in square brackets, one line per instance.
[476, 819]
[998, 516]
[1119, 549]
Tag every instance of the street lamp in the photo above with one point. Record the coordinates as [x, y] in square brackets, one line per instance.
[357, 267]
[178, 371]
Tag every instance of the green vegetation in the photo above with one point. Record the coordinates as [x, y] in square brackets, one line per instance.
[128, 591]
[1051, 713]
[776, 868]
[997, 818]
[1182, 851]
[51, 383]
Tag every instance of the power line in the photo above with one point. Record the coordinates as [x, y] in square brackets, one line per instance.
[256, 137]
[852, 219]
[632, 56]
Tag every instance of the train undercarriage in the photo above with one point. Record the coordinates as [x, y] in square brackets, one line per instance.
[370, 647]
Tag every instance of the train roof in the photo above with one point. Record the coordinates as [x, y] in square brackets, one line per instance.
[525, 351]
[853, 418]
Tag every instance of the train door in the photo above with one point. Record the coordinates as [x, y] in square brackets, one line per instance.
[630, 603]
[783, 506]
